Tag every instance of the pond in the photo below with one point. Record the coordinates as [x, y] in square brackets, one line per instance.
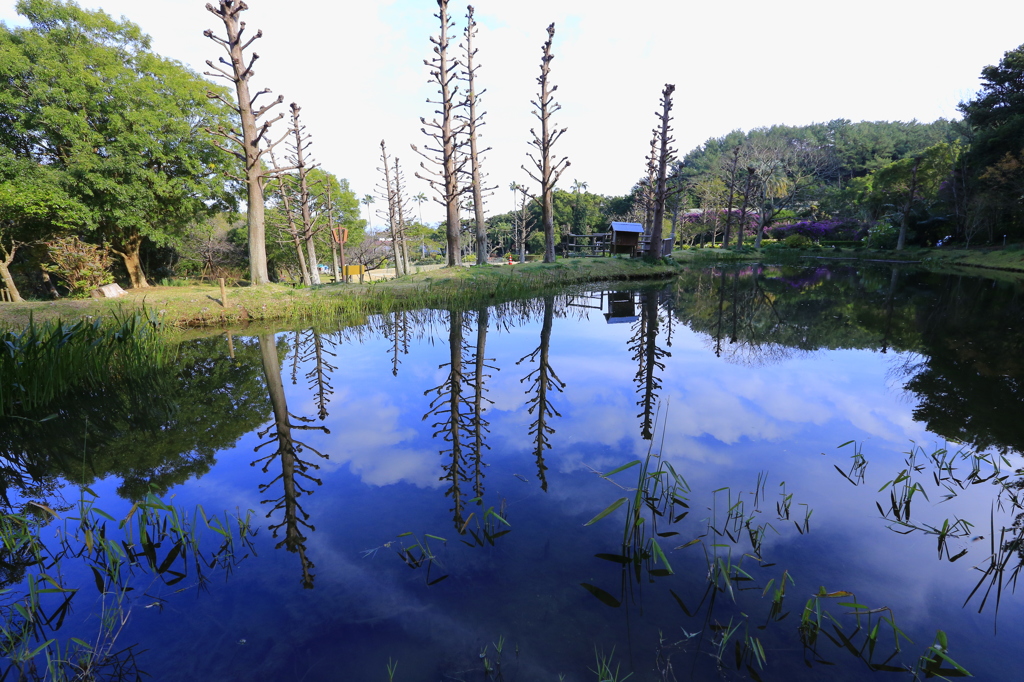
[765, 472]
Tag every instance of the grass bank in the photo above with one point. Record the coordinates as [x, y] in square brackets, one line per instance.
[201, 305]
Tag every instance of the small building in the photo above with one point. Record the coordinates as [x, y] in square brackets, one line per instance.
[626, 238]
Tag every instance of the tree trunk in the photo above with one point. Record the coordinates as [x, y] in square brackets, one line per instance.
[129, 253]
[661, 191]
[12, 290]
[743, 210]
[732, 188]
[252, 134]
[293, 230]
[6, 258]
[906, 209]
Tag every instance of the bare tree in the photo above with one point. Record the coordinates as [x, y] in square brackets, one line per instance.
[393, 192]
[387, 192]
[300, 143]
[444, 135]
[543, 381]
[295, 472]
[473, 120]
[522, 229]
[452, 408]
[646, 190]
[402, 201]
[291, 229]
[661, 191]
[548, 170]
[252, 139]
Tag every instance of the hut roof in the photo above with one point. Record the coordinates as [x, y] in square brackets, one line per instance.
[628, 227]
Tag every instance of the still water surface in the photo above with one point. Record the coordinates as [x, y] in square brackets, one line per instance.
[422, 485]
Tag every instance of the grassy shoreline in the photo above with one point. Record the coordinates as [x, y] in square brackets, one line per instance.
[200, 305]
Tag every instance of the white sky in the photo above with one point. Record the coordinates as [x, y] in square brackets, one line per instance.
[357, 70]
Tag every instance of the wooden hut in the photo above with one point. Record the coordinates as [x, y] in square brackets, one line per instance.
[626, 238]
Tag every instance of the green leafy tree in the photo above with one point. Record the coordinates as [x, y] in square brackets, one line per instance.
[34, 204]
[910, 191]
[84, 94]
[995, 121]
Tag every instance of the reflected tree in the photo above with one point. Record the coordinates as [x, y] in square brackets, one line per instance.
[316, 351]
[395, 327]
[459, 405]
[295, 476]
[453, 408]
[480, 401]
[648, 355]
[543, 381]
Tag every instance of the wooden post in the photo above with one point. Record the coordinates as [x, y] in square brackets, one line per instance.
[231, 346]
[223, 294]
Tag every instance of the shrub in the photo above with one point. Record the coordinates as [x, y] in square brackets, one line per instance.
[798, 241]
[841, 229]
[83, 267]
[883, 236]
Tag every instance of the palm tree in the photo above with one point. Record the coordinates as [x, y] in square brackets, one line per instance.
[366, 201]
[419, 199]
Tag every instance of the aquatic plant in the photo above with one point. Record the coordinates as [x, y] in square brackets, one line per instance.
[153, 539]
[45, 360]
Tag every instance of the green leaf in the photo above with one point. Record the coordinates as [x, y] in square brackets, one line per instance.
[621, 468]
[605, 598]
[608, 510]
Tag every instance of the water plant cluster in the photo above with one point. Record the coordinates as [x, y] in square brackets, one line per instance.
[44, 360]
[153, 541]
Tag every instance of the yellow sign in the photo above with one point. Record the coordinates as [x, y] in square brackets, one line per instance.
[354, 270]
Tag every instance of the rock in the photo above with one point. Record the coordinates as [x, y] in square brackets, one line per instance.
[108, 291]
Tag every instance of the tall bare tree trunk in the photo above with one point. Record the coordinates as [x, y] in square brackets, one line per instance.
[391, 196]
[445, 180]
[309, 232]
[292, 229]
[330, 232]
[664, 137]
[732, 188]
[253, 133]
[548, 170]
[473, 122]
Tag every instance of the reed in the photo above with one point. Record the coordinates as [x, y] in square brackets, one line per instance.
[46, 360]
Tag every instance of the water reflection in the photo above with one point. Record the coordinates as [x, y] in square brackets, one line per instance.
[729, 371]
[542, 382]
[649, 357]
[295, 476]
